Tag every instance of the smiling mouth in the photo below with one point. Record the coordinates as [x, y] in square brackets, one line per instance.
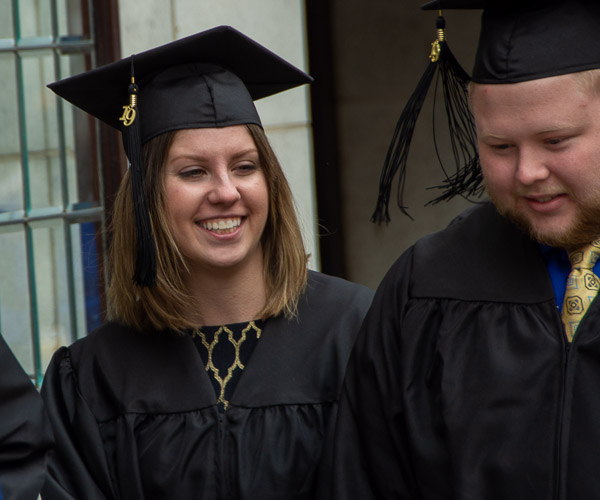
[543, 199]
[221, 226]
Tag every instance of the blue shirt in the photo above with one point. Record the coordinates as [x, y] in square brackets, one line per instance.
[559, 267]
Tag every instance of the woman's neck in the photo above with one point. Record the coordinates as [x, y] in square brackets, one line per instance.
[225, 296]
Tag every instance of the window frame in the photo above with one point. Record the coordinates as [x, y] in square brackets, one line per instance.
[100, 44]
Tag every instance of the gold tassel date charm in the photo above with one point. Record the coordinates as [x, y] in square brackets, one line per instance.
[129, 111]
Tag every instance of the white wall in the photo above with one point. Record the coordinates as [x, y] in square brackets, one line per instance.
[277, 24]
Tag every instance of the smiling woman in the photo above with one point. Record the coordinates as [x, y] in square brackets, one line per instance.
[213, 177]
[221, 365]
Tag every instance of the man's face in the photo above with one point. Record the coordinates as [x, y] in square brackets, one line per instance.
[539, 145]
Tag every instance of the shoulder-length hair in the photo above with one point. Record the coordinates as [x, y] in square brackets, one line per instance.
[165, 305]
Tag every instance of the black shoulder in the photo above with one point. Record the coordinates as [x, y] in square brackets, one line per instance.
[303, 359]
[326, 289]
[118, 369]
[480, 256]
[116, 342]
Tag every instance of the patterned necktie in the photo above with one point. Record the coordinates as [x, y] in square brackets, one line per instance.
[582, 286]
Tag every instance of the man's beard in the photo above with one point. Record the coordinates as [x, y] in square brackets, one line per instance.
[585, 229]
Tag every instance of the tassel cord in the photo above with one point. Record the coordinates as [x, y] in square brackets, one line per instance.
[146, 257]
[397, 155]
[466, 181]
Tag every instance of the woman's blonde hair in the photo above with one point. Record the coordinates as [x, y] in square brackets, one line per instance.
[165, 305]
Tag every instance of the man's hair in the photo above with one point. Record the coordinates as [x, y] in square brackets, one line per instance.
[166, 305]
[588, 81]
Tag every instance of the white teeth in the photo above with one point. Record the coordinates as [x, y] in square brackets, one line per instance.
[221, 226]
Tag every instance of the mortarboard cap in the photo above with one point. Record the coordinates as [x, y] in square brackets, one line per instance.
[528, 40]
[205, 80]
[209, 79]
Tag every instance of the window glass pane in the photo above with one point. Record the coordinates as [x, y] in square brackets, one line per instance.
[35, 19]
[81, 161]
[79, 142]
[50, 277]
[72, 61]
[6, 19]
[15, 317]
[11, 186]
[42, 165]
[51, 286]
[70, 19]
[87, 276]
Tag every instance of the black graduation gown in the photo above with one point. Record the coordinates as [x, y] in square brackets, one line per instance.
[135, 415]
[25, 435]
[462, 386]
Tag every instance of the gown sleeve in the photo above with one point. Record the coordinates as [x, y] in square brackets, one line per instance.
[25, 435]
[77, 467]
[367, 454]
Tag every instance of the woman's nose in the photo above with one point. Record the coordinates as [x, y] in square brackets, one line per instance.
[223, 190]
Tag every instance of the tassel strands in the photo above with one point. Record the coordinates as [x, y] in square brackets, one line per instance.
[467, 179]
[467, 176]
[145, 268]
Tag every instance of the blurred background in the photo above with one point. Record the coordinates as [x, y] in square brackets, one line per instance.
[59, 169]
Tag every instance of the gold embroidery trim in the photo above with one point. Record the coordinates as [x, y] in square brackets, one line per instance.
[237, 364]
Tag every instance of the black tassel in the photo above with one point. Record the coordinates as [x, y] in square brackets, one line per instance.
[145, 265]
[466, 179]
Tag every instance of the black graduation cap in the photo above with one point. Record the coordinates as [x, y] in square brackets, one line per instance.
[531, 39]
[205, 80]
[179, 78]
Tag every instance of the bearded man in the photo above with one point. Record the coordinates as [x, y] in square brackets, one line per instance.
[476, 375]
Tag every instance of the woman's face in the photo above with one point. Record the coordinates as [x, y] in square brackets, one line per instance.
[216, 197]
